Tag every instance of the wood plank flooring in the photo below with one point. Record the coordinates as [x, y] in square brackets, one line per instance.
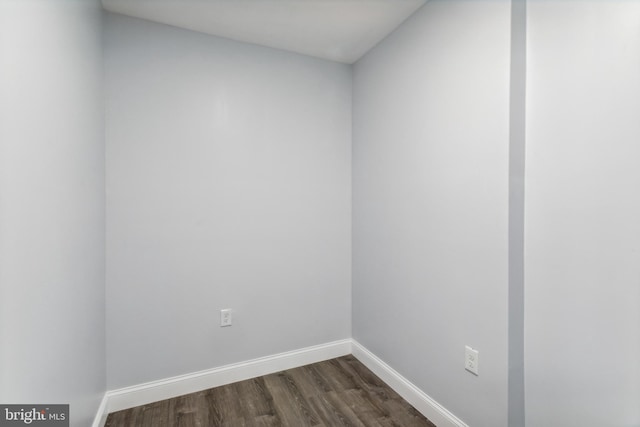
[337, 392]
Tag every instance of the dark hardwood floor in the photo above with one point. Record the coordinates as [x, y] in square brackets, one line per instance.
[338, 392]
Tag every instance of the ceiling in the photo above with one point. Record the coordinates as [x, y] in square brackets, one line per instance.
[337, 30]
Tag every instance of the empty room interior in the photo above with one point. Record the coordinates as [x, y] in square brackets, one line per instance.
[195, 193]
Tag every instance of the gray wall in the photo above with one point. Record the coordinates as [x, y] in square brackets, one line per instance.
[52, 205]
[430, 206]
[583, 214]
[228, 186]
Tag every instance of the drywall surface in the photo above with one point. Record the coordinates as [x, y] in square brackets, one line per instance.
[430, 205]
[582, 227]
[228, 186]
[52, 205]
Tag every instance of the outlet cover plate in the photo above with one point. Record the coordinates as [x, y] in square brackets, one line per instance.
[471, 360]
[225, 317]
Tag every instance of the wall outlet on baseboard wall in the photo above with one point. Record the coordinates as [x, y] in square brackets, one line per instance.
[225, 317]
[471, 360]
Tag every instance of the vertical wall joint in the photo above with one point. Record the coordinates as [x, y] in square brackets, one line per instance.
[516, 398]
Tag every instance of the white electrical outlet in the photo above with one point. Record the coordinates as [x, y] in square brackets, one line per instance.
[225, 317]
[471, 360]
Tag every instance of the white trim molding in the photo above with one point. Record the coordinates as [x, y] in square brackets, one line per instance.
[101, 415]
[428, 407]
[142, 394]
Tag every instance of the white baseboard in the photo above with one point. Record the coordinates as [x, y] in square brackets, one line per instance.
[101, 415]
[154, 391]
[428, 407]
